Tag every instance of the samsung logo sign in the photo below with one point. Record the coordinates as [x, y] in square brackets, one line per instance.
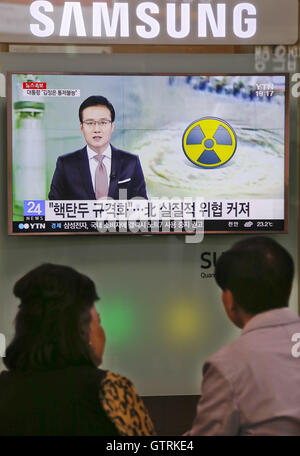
[145, 20]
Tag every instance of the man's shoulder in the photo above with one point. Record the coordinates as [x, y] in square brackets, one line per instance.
[226, 354]
[123, 154]
[261, 340]
[245, 345]
[72, 156]
[231, 362]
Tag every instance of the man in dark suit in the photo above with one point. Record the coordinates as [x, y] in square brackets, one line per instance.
[99, 170]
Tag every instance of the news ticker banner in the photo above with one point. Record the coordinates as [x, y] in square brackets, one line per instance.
[190, 22]
[155, 215]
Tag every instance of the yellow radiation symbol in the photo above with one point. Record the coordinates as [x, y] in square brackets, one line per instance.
[209, 142]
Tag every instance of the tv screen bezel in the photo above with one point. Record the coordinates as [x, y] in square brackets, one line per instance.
[10, 74]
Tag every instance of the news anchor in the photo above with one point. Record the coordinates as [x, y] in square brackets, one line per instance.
[99, 170]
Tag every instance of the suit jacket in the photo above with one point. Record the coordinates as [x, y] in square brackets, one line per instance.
[252, 386]
[72, 178]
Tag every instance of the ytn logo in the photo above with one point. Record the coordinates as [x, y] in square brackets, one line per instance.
[296, 348]
[32, 226]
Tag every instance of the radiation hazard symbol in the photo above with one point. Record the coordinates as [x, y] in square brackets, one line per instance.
[209, 142]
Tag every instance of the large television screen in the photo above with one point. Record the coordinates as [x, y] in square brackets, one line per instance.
[147, 153]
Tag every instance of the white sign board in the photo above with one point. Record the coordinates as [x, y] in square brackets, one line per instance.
[192, 22]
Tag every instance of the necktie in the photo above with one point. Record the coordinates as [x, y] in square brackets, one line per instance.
[101, 181]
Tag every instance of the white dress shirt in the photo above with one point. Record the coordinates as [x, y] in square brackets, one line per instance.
[93, 163]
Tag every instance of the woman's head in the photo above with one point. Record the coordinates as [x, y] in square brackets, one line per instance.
[56, 324]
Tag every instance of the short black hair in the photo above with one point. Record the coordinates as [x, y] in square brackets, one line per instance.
[97, 100]
[259, 273]
[52, 323]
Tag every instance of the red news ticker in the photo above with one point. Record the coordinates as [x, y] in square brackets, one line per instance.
[34, 85]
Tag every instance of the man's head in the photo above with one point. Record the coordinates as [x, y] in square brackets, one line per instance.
[255, 275]
[97, 115]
